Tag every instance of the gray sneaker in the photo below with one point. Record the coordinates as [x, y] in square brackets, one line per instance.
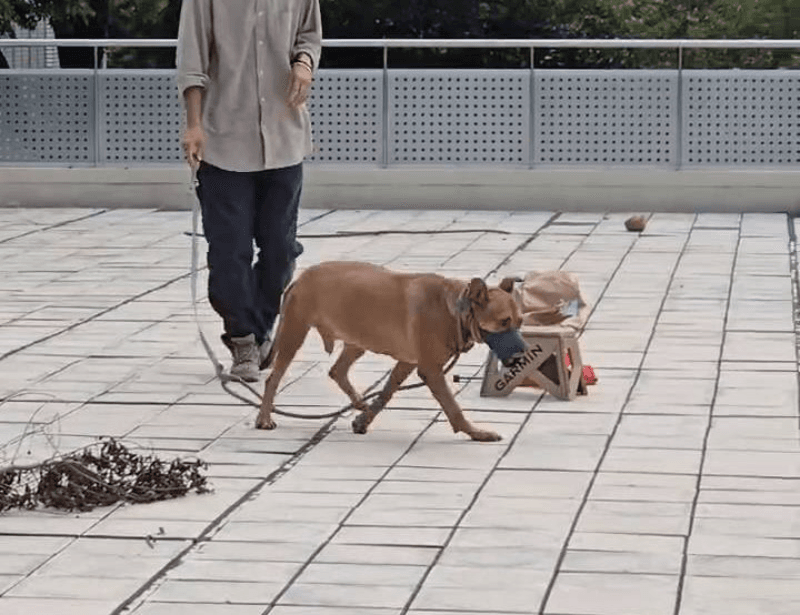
[246, 358]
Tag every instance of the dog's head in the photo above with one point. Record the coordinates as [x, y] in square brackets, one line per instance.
[494, 308]
[496, 318]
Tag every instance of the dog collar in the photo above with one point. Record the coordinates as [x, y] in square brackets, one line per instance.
[469, 331]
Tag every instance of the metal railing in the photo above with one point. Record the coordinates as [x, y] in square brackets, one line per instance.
[679, 45]
[442, 43]
[475, 43]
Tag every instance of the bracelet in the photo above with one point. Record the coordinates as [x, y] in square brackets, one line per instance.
[306, 64]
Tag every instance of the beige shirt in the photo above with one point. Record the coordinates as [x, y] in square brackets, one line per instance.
[239, 52]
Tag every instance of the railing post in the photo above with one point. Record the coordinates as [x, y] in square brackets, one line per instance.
[532, 114]
[679, 136]
[98, 144]
[385, 131]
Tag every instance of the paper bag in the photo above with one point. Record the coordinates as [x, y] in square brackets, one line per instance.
[552, 298]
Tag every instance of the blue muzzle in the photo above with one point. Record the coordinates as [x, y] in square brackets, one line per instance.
[505, 344]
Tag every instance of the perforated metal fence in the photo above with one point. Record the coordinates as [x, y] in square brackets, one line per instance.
[140, 117]
[47, 116]
[606, 117]
[517, 118]
[459, 116]
[347, 116]
[743, 117]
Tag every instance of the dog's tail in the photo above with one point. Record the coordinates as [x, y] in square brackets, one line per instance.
[286, 292]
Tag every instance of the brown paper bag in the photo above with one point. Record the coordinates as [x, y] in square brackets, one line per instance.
[552, 298]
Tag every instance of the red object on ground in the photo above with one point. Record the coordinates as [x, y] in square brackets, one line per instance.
[588, 372]
[589, 376]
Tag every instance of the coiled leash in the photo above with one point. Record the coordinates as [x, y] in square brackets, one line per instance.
[225, 378]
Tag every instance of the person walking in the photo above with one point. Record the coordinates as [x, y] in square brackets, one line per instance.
[244, 71]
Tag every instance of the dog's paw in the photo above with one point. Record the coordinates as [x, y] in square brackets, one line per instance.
[483, 435]
[265, 423]
[360, 423]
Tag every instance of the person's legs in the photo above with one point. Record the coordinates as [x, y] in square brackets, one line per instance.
[278, 197]
[228, 202]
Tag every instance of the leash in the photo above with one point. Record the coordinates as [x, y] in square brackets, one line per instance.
[225, 378]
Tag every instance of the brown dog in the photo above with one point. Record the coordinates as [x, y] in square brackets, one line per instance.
[421, 320]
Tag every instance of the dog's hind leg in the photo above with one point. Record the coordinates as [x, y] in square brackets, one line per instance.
[400, 372]
[338, 373]
[292, 333]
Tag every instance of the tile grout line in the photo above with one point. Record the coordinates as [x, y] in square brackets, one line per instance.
[530, 240]
[54, 226]
[273, 476]
[343, 520]
[615, 428]
[91, 318]
[325, 213]
[443, 227]
[705, 410]
[795, 271]
[451, 534]
[521, 427]
[296, 456]
[110, 309]
[707, 434]
[328, 428]
[91, 399]
[377, 482]
[215, 524]
[471, 243]
[313, 365]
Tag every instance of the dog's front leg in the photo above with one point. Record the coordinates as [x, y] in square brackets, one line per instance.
[434, 378]
[400, 372]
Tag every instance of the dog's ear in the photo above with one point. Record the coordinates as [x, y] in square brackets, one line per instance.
[478, 293]
[508, 284]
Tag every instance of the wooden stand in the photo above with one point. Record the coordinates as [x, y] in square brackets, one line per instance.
[543, 363]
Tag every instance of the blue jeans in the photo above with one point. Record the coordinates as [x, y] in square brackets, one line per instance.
[238, 209]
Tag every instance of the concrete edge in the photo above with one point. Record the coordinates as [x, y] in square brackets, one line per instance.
[428, 187]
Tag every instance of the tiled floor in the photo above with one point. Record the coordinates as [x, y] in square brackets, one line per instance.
[672, 488]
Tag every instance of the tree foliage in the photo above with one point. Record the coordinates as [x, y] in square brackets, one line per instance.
[709, 19]
[605, 19]
[460, 19]
[99, 19]
[26, 13]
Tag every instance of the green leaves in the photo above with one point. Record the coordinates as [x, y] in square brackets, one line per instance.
[658, 19]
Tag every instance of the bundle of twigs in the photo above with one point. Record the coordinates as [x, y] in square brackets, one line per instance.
[104, 473]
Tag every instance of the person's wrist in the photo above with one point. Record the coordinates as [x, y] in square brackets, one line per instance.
[302, 58]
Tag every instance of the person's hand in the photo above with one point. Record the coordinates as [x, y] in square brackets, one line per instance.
[194, 145]
[299, 83]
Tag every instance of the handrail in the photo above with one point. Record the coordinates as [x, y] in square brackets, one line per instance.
[431, 43]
